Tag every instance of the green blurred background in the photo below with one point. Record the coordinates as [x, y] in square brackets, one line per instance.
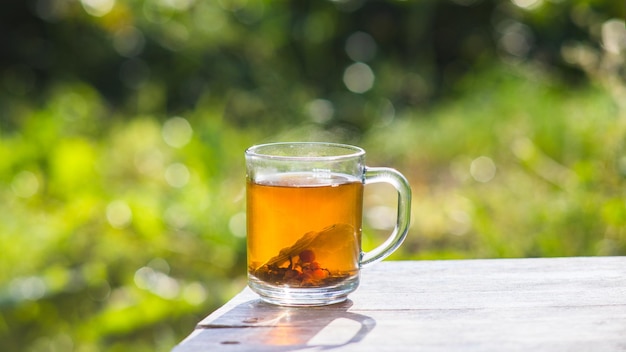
[123, 126]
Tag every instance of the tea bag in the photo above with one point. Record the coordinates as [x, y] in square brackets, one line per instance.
[304, 261]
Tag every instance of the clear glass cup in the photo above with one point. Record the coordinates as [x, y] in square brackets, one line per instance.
[304, 216]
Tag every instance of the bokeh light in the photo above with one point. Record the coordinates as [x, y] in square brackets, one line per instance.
[614, 36]
[119, 214]
[177, 132]
[237, 225]
[25, 184]
[361, 47]
[157, 282]
[176, 216]
[320, 110]
[98, 8]
[358, 77]
[177, 175]
[129, 41]
[516, 39]
[28, 288]
[527, 4]
[483, 169]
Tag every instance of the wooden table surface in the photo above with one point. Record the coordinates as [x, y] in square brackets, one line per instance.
[543, 304]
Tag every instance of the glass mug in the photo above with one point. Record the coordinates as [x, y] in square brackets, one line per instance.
[304, 214]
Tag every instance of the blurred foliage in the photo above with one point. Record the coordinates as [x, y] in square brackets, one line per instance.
[123, 125]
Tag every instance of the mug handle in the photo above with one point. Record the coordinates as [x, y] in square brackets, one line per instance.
[400, 183]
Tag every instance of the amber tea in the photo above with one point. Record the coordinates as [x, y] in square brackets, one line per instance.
[304, 229]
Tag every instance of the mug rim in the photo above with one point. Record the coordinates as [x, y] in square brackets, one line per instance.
[352, 151]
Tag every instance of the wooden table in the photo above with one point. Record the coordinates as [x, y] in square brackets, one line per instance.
[547, 304]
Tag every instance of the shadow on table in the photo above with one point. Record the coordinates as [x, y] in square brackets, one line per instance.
[260, 326]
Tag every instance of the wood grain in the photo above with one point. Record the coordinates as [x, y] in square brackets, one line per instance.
[543, 304]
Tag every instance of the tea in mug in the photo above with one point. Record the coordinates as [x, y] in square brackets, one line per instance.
[304, 229]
